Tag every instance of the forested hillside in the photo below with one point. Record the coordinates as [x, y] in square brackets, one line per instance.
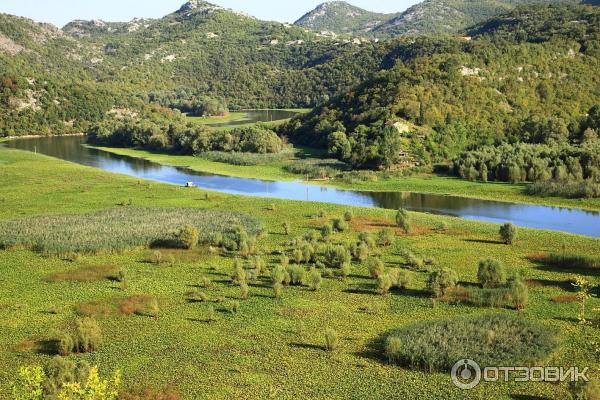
[57, 81]
[528, 76]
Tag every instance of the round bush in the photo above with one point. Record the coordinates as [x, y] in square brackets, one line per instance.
[491, 273]
[490, 340]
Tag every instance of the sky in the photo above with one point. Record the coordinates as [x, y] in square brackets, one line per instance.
[59, 12]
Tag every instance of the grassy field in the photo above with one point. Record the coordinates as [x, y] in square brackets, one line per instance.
[237, 116]
[270, 348]
[422, 183]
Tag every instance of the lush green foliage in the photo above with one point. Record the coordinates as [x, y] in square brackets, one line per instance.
[492, 340]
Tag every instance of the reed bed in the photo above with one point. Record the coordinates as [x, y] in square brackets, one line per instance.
[118, 229]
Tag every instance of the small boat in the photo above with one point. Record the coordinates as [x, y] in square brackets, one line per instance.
[190, 185]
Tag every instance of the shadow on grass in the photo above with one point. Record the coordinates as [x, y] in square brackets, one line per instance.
[527, 397]
[484, 241]
[564, 285]
[47, 347]
[307, 346]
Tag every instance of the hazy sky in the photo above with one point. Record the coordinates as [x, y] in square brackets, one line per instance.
[59, 12]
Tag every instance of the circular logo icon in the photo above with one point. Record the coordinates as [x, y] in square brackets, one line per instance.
[466, 374]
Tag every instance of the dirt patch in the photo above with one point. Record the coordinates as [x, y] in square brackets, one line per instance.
[565, 298]
[89, 273]
[138, 304]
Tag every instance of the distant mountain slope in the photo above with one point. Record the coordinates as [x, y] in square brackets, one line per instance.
[534, 67]
[341, 17]
[451, 16]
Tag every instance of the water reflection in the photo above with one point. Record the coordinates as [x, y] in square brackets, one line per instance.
[543, 217]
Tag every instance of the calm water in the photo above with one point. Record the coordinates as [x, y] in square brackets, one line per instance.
[254, 116]
[552, 218]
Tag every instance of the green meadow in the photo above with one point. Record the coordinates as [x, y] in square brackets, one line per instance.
[206, 340]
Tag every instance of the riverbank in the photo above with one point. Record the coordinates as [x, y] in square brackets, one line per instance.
[288, 332]
[497, 191]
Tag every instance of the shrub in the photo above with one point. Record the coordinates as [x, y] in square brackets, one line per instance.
[384, 284]
[278, 290]
[245, 291]
[87, 337]
[314, 279]
[339, 225]
[326, 231]
[491, 273]
[415, 262]
[331, 339]
[65, 344]
[337, 256]
[442, 227]
[239, 275]
[493, 339]
[440, 281]
[61, 371]
[393, 349]
[401, 279]
[361, 251]
[376, 267]
[345, 270]
[322, 213]
[348, 216]
[298, 256]
[308, 252]
[258, 265]
[367, 238]
[279, 274]
[518, 293]
[508, 233]
[205, 282]
[286, 228]
[385, 237]
[403, 220]
[139, 304]
[297, 273]
[187, 237]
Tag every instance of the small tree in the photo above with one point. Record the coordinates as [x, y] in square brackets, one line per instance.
[188, 237]
[440, 281]
[508, 233]
[376, 267]
[518, 294]
[348, 216]
[385, 237]
[583, 289]
[298, 256]
[403, 220]
[331, 339]
[491, 273]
